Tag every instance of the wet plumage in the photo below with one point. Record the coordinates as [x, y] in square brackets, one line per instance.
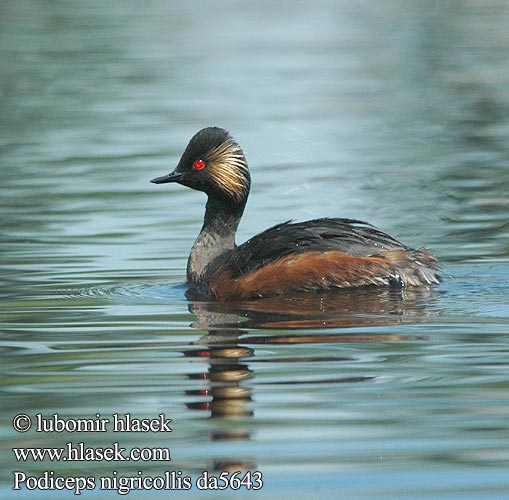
[290, 257]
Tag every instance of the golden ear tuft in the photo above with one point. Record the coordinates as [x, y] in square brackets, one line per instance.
[228, 169]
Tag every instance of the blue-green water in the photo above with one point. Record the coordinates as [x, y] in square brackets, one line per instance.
[391, 112]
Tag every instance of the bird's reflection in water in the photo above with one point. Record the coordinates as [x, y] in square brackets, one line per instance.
[227, 395]
[362, 307]
[228, 345]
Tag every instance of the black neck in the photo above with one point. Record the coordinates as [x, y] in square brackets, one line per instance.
[217, 236]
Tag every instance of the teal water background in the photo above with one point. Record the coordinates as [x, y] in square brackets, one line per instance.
[392, 112]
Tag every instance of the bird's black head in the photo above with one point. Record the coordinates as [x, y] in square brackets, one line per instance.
[215, 164]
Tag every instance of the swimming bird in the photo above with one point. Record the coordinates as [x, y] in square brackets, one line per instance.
[290, 257]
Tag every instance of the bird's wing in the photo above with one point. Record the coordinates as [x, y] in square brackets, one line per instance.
[350, 236]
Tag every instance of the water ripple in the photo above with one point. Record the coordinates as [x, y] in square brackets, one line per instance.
[139, 292]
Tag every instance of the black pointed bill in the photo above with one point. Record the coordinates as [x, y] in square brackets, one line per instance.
[172, 177]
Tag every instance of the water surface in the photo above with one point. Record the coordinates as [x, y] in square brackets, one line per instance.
[390, 112]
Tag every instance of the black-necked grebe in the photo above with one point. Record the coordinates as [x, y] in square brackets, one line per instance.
[319, 254]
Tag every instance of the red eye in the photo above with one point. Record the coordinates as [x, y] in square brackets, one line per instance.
[199, 165]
